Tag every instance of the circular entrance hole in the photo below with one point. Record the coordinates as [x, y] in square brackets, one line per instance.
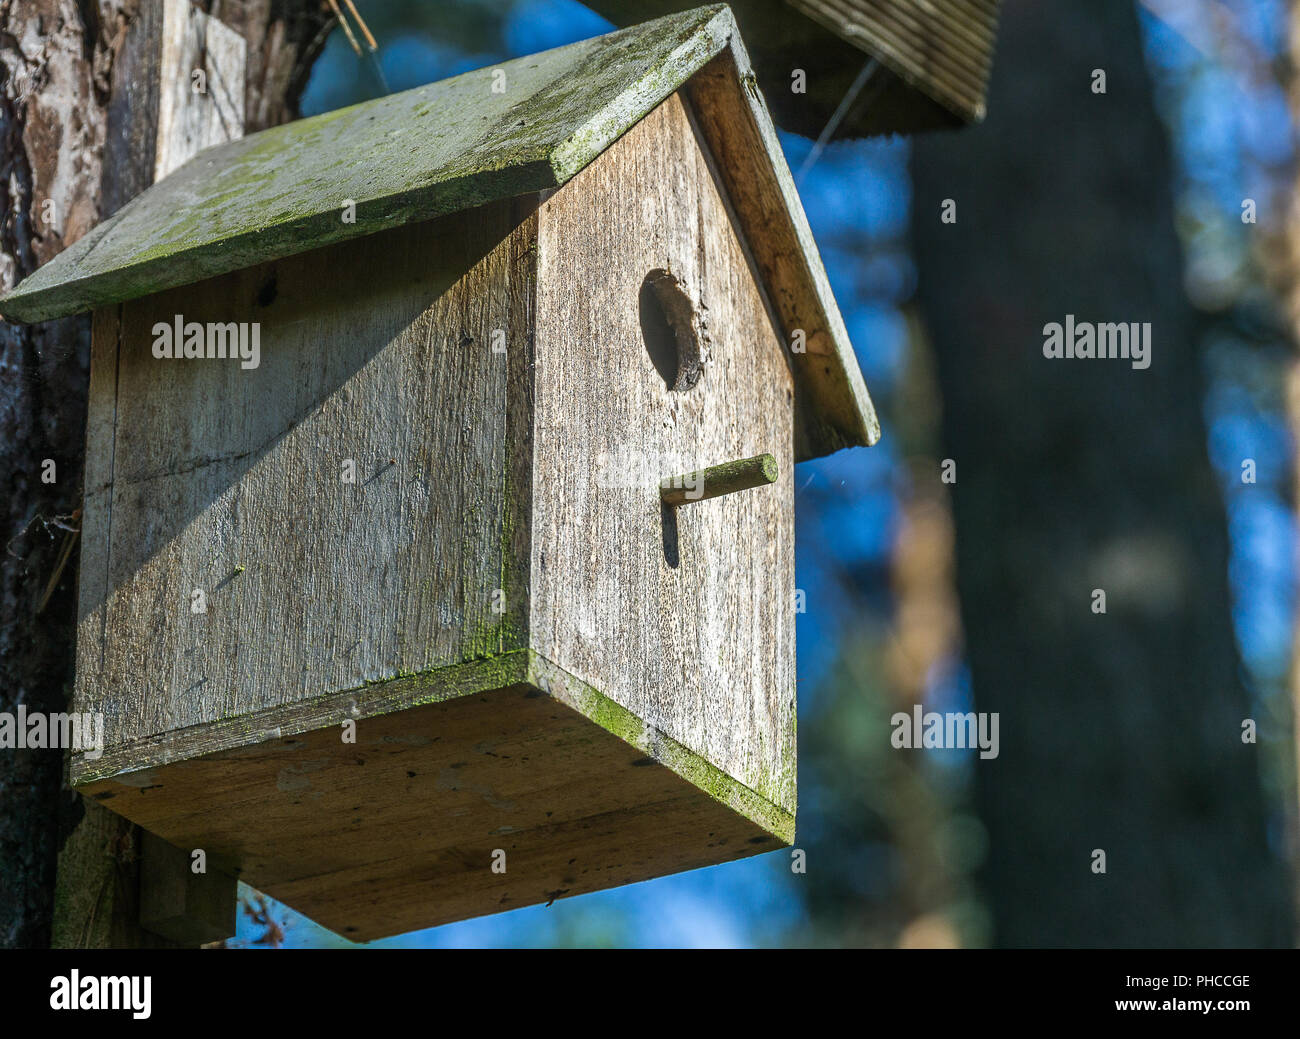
[672, 330]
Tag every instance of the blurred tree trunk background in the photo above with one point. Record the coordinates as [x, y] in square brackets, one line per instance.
[78, 118]
[1120, 732]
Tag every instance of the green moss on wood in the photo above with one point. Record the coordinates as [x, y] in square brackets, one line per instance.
[690, 766]
[427, 152]
[407, 689]
[727, 478]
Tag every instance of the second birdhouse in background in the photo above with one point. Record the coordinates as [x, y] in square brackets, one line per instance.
[853, 68]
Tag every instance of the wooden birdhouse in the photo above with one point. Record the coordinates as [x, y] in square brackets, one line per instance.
[383, 598]
[853, 68]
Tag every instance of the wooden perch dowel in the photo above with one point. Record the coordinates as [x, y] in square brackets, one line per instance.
[718, 480]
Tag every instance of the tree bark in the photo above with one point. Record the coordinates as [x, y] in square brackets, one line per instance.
[1120, 732]
[78, 120]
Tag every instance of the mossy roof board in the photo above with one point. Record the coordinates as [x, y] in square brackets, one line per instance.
[424, 153]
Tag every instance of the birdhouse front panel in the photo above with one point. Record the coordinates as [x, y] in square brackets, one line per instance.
[657, 356]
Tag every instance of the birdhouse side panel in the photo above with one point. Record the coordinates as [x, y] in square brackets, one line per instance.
[657, 355]
[330, 508]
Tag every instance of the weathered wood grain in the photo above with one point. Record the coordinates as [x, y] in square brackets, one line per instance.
[96, 524]
[685, 619]
[832, 406]
[190, 119]
[229, 481]
[397, 830]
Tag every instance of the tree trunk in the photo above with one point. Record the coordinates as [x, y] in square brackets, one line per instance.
[79, 122]
[1121, 732]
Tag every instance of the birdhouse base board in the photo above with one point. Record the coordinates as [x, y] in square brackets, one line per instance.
[455, 799]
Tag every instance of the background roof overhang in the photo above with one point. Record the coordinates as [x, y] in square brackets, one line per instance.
[932, 60]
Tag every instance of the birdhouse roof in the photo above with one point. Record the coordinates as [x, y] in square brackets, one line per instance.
[449, 146]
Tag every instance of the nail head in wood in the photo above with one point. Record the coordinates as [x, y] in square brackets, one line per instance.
[718, 480]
